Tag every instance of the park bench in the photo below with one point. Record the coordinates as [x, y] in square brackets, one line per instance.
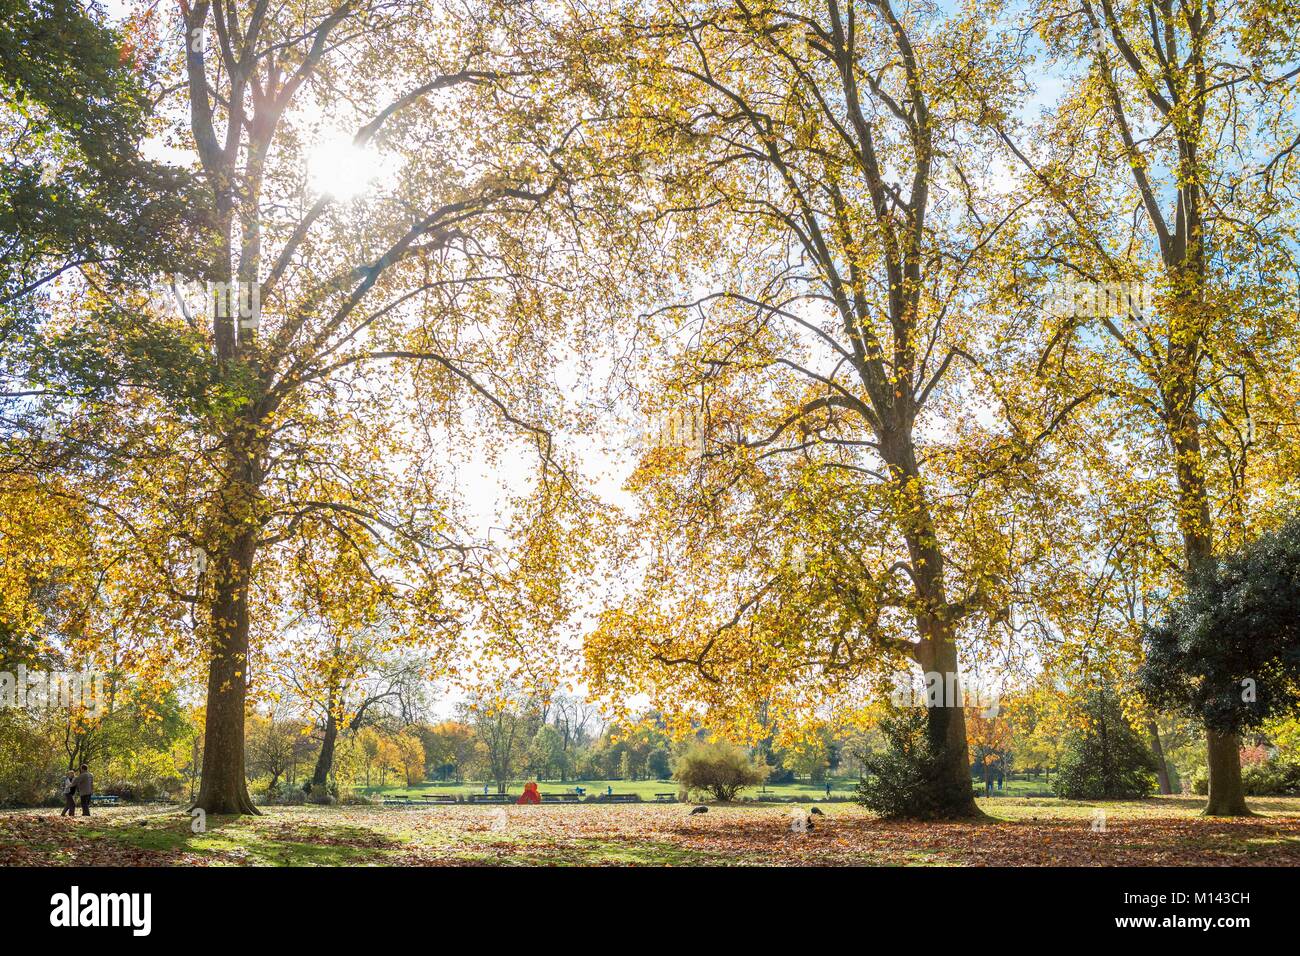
[561, 798]
[665, 798]
[105, 798]
[422, 801]
[490, 798]
[617, 798]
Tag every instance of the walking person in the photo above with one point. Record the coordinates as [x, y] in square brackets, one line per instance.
[85, 787]
[69, 795]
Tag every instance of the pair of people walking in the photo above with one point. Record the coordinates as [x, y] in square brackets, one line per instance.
[80, 785]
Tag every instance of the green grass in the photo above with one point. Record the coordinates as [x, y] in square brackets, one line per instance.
[841, 788]
[1031, 787]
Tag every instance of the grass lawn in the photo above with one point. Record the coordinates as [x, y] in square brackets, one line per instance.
[1164, 831]
[841, 788]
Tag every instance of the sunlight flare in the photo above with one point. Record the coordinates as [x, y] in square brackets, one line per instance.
[337, 167]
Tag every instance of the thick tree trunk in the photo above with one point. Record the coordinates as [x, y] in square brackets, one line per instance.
[937, 651]
[1227, 797]
[224, 788]
[325, 761]
[947, 733]
[1158, 752]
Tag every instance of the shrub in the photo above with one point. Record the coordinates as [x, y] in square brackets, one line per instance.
[353, 799]
[1106, 760]
[1275, 777]
[899, 782]
[720, 769]
[1201, 782]
[781, 775]
[31, 766]
[287, 796]
[1238, 620]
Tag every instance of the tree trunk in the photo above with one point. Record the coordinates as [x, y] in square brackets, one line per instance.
[937, 651]
[1158, 751]
[325, 762]
[1227, 796]
[947, 732]
[1223, 760]
[224, 788]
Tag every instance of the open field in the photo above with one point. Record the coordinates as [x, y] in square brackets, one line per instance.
[646, 789]
[842, 788]
[1164, 831]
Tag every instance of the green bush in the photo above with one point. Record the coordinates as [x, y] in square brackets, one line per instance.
[1276, 777]
[1201, 782]
[31, 766]
[286, 796]
[900, 781]
[720, 769]
[1107, 760]
[357, 800]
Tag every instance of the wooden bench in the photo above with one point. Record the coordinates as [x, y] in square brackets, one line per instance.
[421, 800]
[109, 799]
[561, 798]
[490, 798]
[617, 798]
[665, 798]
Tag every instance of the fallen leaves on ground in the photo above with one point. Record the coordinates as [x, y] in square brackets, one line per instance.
[1038, 834]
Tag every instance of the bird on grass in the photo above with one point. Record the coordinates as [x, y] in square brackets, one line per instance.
[699, 810]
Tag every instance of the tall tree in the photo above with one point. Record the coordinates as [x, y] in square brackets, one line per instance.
[838, 506]
[1166, 167]
[344, 344]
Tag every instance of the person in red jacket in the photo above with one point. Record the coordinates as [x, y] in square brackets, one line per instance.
[530, 794]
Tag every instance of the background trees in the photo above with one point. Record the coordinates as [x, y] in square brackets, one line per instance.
[1105, 759]
[503, 724]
